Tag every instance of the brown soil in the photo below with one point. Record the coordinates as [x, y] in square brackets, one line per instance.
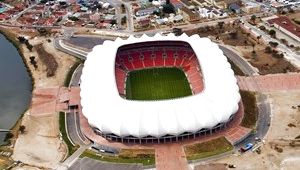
[264, 62]
[241, 40]
[209, 30]
[48, 59]
[295, 15]
[267, 64]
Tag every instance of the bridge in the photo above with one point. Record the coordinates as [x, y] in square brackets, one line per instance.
[4, 130]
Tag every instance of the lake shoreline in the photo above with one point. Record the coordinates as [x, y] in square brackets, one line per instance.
[11, 38]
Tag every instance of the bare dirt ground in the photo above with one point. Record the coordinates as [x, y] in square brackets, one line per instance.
[26, 167]
[40, 145]
[265, 62]
[242, 42]
[295, 15]
[277, 152]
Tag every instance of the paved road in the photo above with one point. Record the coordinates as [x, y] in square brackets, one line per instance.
[73, 128]
[91, 164]
[69, 161]
[263, 121]
[58, 44]
[129, 16]
[246, 68]
[75, 80]
[85, 42]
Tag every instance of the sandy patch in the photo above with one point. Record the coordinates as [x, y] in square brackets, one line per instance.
[280, 135]
[64, 61]
[40, 145]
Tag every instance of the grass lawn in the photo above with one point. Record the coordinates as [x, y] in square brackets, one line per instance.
[157, 84]
[144, 156]
[250, 109]
[62, 128]
[206, 149]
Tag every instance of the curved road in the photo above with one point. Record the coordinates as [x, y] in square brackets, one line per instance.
[246, 68]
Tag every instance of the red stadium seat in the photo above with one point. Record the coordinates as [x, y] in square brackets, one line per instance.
[152, 55]
[169, 61]
[148, 61]
[159, 61]
[136, 60]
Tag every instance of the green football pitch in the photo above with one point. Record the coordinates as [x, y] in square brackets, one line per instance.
[157, 84]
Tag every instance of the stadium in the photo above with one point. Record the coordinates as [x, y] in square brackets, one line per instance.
[158, 89]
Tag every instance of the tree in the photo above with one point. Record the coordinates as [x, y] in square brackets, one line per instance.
[22, 129]
[123, 20]
[29, 46]
[22, 39]
[72, 18]
[262, 27]
[253, 18]
[123, 8]
[221, 25]
[113, 22]
[273, 44]
[253, 46]
[8, 136]
[258, 38]
[284, 41]
[33, 62]
[272, 33]
[268, 49]
[168, 8]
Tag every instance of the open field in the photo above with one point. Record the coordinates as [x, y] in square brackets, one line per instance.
[268, 63]
[144, 156]
[156, 84]
[278, 152]
[208, 148]
[40, 145]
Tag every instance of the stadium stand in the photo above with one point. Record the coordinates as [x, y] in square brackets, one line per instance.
[158, 54]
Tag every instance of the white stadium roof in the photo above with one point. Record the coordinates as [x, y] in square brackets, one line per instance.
[110, 113]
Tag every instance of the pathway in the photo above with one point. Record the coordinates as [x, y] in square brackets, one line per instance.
[170, 157]
[272, 82]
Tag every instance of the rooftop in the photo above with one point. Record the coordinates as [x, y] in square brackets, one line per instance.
[287, 24]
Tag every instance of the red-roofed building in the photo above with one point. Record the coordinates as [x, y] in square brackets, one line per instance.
[285, 25]
[50, 21]
[3, 17]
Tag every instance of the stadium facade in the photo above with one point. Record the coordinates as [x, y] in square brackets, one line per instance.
[213, 103]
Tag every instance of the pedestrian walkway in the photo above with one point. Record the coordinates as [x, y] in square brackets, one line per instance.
[170, 157]
[268, 83]
[237, 134]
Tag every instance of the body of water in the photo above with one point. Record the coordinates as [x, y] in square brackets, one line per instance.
[15, 85]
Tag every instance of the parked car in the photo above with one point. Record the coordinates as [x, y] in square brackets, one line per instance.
[247, 147]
